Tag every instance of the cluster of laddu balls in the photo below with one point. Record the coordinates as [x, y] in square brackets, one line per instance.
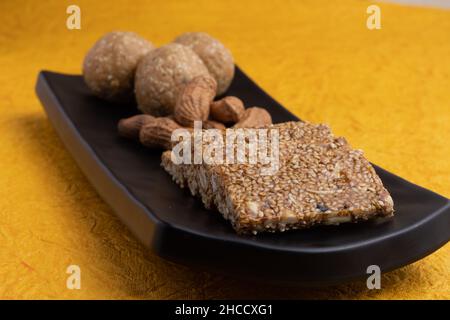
[125, 68]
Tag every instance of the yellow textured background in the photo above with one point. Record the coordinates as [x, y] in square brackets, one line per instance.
[388, 91]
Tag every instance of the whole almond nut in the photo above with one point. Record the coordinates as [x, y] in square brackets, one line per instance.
[158, 133]
[130, 127]
[211, 124]
[254, 117]
[228, 110]
[194, 101]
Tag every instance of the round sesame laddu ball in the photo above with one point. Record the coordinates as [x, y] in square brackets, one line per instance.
[110, 65]
[215, 55]
[161, 74]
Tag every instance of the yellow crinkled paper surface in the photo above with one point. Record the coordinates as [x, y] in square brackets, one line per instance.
[387, 91]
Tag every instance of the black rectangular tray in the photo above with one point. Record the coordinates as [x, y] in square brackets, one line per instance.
[177, 227]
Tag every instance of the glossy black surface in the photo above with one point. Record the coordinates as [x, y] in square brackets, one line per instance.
[177, 227]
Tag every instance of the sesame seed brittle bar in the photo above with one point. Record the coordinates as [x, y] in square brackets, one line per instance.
[320, 180]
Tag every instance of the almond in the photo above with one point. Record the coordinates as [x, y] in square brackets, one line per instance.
[228, 110]
[194, 100]
[130, 127]
[158, 133]
[211, 124]
[254, 117]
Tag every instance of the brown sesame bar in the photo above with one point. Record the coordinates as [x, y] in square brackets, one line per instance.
[320, 180]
